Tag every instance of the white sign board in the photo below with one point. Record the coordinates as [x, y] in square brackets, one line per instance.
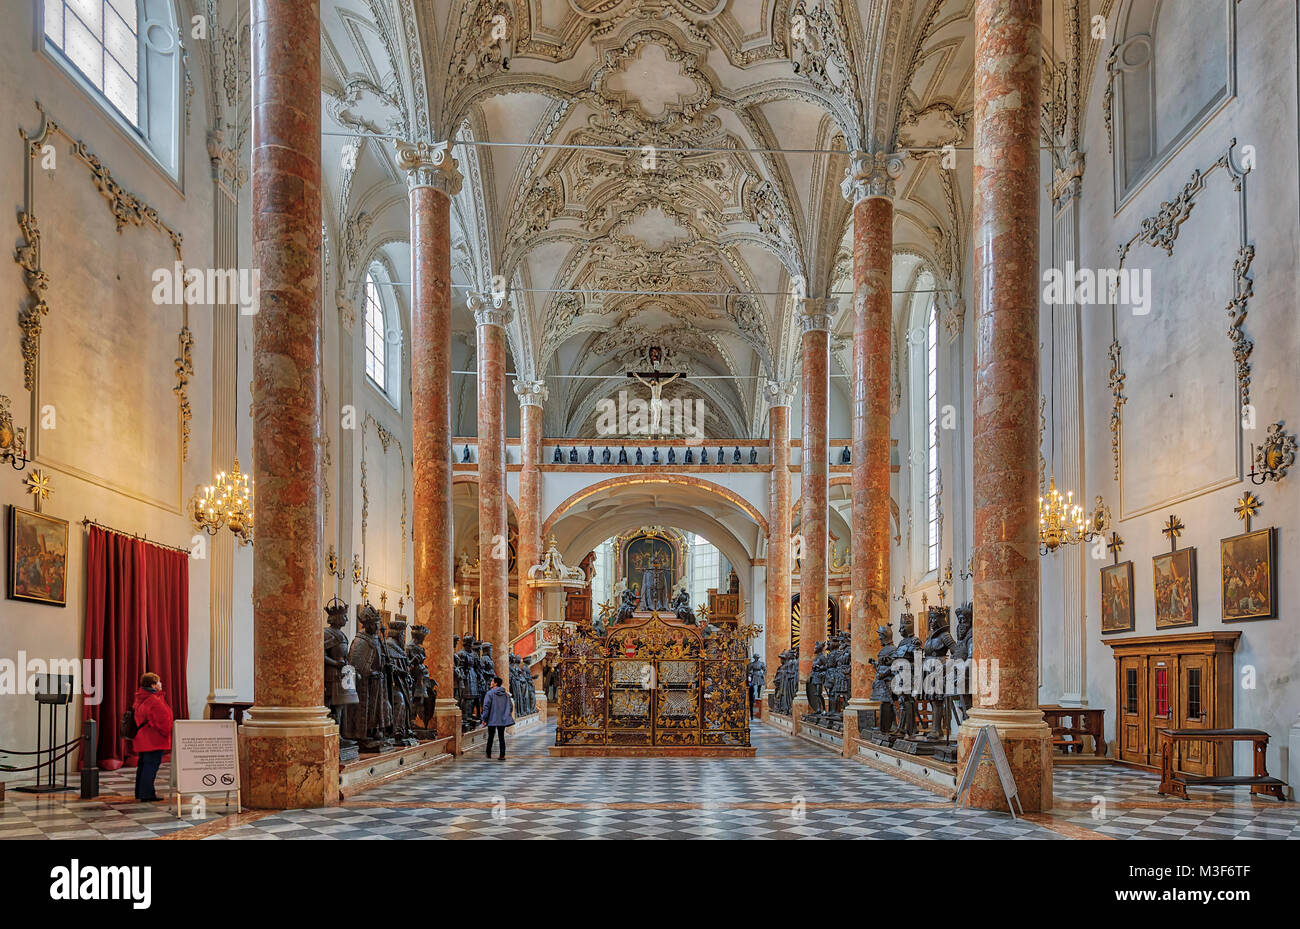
[987, 741]
[205, 756]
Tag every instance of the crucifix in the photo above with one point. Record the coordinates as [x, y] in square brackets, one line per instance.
[1114, 546]
[655, 380]
[1247, 506]
[1173, 529]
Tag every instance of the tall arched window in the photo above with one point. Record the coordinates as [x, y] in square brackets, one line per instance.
[923, 382]
[932, 438]
[376, 343]
[127, 55]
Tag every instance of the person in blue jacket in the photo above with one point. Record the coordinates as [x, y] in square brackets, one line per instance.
[497, 716]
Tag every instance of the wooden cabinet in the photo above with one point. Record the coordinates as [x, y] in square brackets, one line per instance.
[1174, 682]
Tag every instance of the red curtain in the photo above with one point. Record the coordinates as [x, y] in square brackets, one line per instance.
[167, 627]
[137, 620]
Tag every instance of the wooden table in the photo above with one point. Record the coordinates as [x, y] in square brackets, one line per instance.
[1089, 721]
[1176, 785]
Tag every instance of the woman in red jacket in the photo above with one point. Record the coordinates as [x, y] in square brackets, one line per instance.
[153, 718]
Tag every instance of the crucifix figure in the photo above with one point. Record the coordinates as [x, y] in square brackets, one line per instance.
[655, 380]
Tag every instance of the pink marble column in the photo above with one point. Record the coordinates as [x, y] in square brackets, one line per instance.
[494, 578]
[777, 632]
[870, 187]
[1008, 36]
[289, 746]
[433, 179]
[532, 395]
[815, 317]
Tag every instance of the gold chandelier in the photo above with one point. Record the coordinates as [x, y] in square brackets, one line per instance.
[1060, 520]
[227, 502]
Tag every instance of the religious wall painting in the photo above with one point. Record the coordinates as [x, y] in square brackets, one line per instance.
[1249, 575]
[1174, 575]
[38, 557]
[1117, 598]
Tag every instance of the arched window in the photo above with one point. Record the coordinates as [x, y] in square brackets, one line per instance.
[706, 569]
[376, 343]
[926, 480]
[932, 511]
[127, 55]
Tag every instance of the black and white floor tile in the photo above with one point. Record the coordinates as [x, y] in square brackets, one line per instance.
[789, 790]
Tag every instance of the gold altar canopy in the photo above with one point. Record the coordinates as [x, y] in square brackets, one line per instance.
[654, 684]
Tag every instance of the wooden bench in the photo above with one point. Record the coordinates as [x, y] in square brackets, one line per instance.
[1174, 784]
[1084, 721]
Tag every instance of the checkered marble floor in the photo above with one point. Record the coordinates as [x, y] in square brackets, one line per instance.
[789, 790]
[113, 815]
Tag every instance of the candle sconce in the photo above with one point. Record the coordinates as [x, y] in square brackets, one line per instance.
[1274, 458]
[13, 442]
[332, 566]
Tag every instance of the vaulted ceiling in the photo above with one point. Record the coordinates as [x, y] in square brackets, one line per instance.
[613, 238]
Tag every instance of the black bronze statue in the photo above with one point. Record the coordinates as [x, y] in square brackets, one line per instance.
[370, 719]
[627, 607]
[398, 678]
[882, 686]
[907, 645]
[756, 678]
[816, 678]
[938, 645]
[340, 677]
[682, 607]
[424, 689]
[962, 650]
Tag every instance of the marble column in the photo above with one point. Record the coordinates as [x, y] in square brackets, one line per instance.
[777, 621]
[870, 186]
[532, 395]
[490, 318]
[815, 316]
[1008, 37]
[433, 179]
[289, 745]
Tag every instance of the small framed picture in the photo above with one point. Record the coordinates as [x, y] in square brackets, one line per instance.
[38, 557]
[1117, 598]
[1175, 588]
[1249, 582]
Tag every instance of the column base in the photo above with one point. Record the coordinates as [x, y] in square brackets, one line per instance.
[1027, 739]
[446, 720]
[288, 758]
[854, 725]
[798, 707]
[765, 706]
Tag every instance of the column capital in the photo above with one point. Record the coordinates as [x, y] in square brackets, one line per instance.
[489, 309]
[871, 174]
[1067, 182]
[816, 314]
[531, 393]
[428, 165]
[780, 393]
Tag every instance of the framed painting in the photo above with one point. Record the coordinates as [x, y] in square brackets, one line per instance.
[38, 557]
[1117, 598]
[1249, 583]
[1175, 588]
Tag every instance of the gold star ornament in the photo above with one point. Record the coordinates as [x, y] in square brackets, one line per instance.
[38, 484]
[1247, 507]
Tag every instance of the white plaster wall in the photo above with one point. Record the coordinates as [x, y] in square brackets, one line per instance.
[26, 75]
[1263, 115]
